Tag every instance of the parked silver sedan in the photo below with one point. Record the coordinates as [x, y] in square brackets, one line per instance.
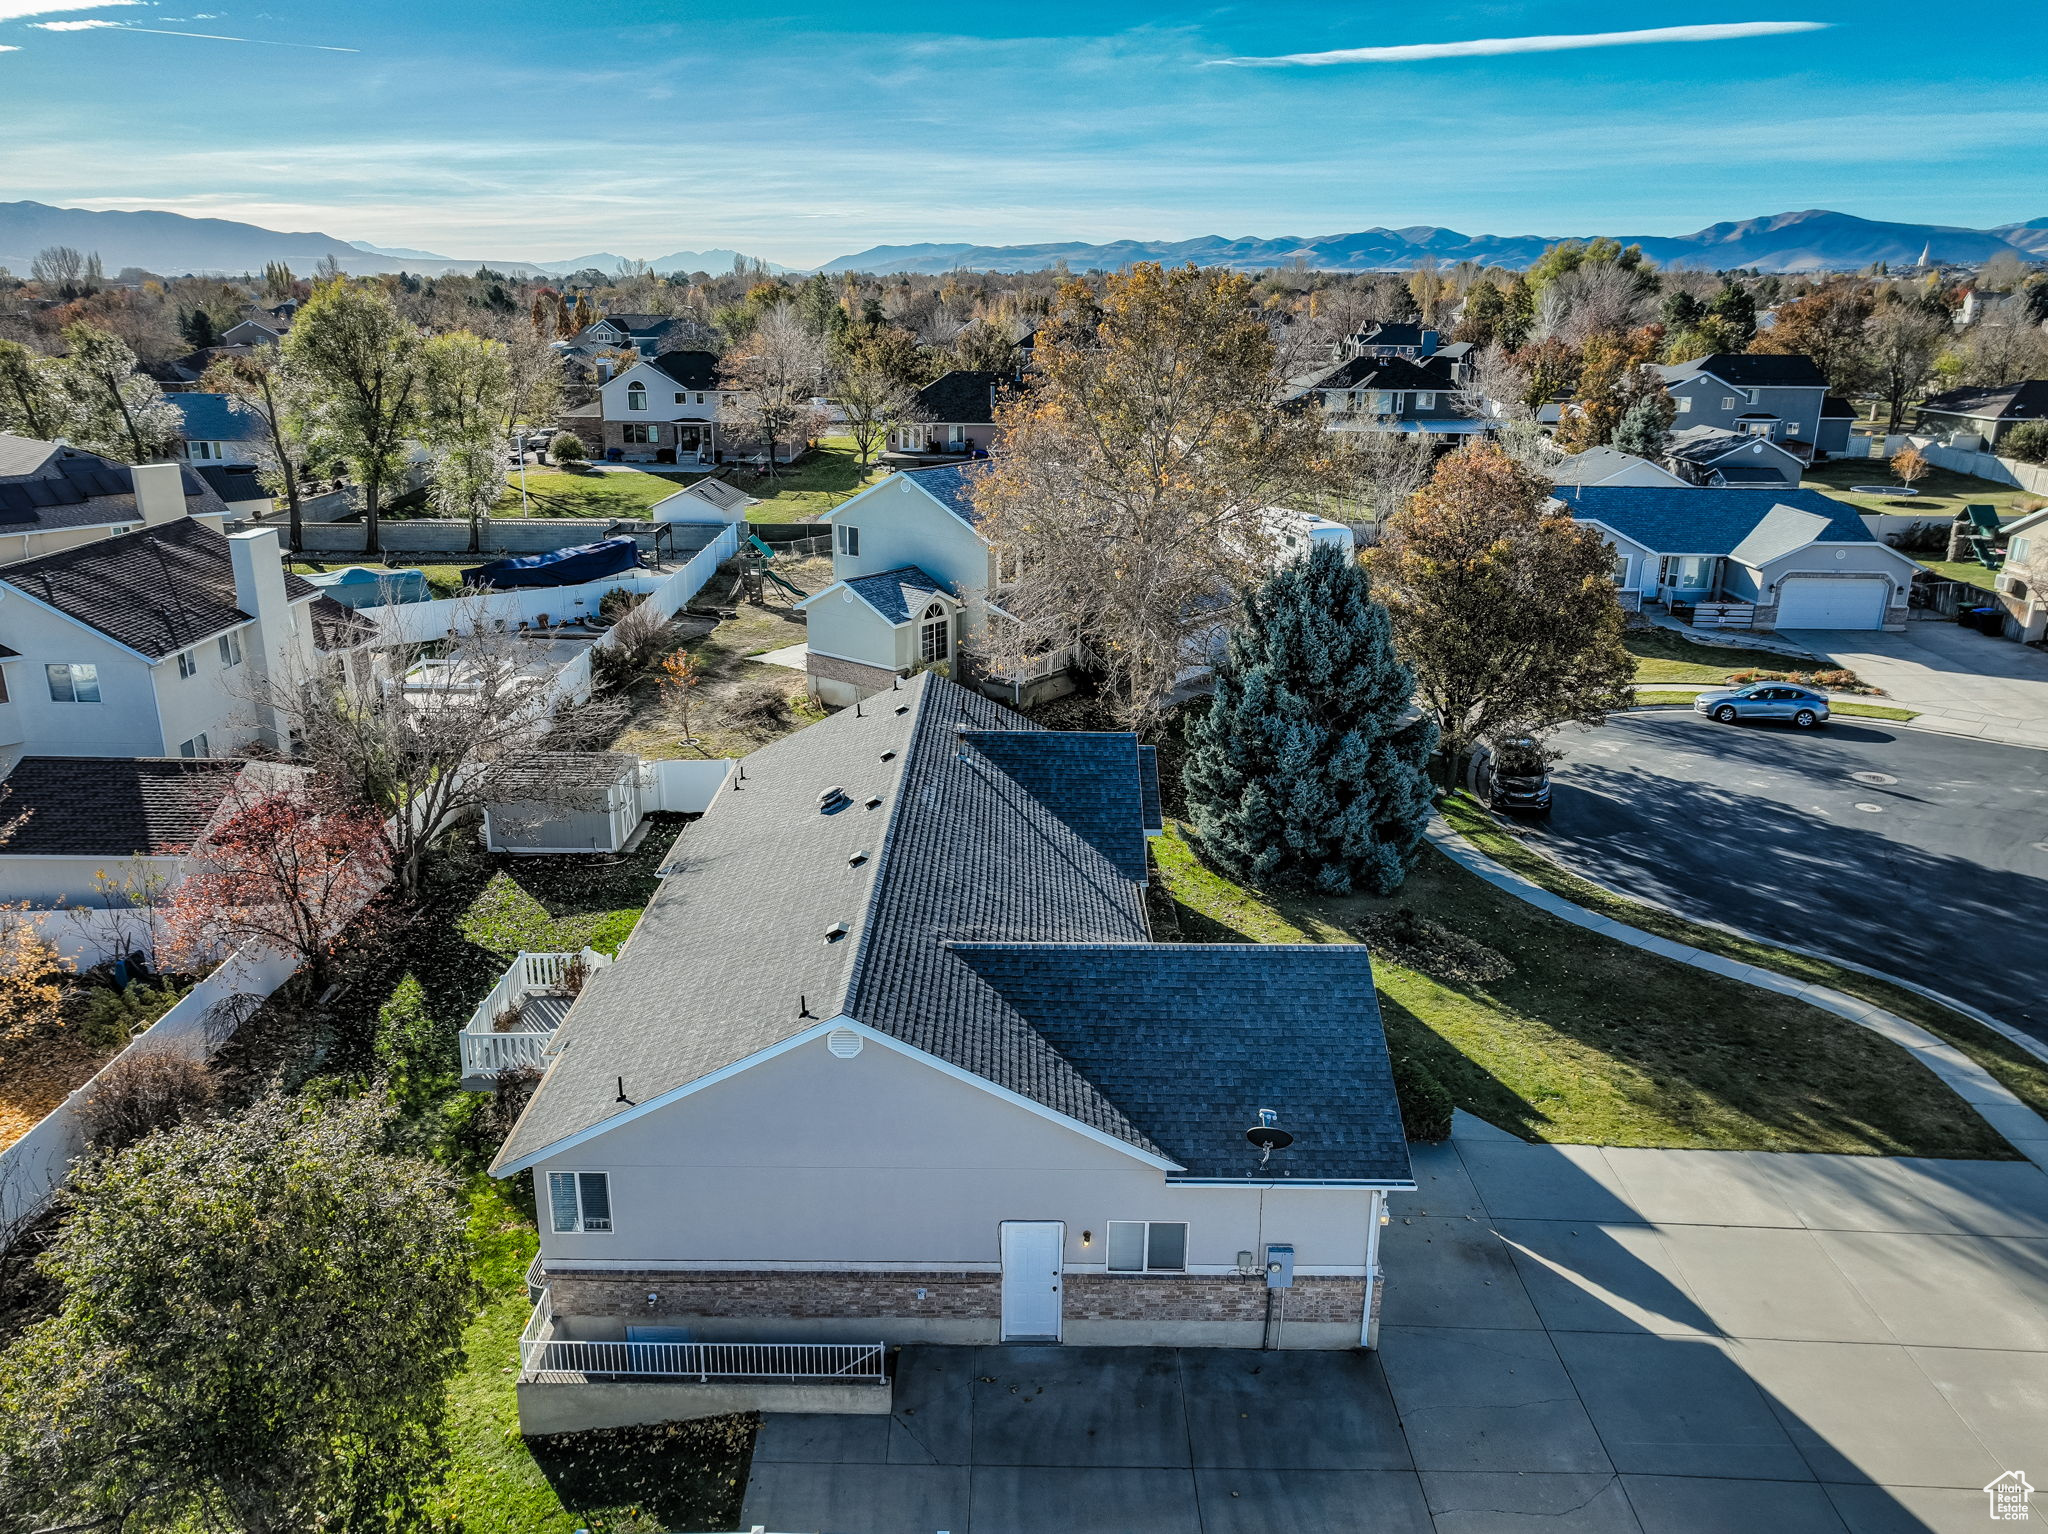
[1799, 706]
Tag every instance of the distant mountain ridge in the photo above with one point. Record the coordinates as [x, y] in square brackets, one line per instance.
[1810, 241]
[1814, 240]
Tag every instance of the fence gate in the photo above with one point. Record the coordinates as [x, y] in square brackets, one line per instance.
[1944, 598]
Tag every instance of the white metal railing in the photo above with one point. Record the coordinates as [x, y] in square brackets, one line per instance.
[485, 1049]
[540, 1353]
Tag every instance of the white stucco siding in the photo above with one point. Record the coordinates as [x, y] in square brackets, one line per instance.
[1846, 559]
[841, 624]
[123, 723]
[216, 700]
[884, 1161]
[662, 404]
[901, 525]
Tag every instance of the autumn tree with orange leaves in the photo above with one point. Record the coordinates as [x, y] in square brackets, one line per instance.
[1505, 609]
[285, 865]
[1129, 495]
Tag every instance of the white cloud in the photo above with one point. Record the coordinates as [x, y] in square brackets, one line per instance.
[14, 10]
[211, 37]
[72, 26]
[1406, 53]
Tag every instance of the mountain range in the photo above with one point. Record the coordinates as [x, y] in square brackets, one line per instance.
[1812, 241]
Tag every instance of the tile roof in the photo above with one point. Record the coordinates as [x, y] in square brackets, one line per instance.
[113, 807]
[984, 830]
[46, 486]
[157, 590]
[216, 418]
[962, 397]
[1751, 370]
[1687, 519]
[951, 485]
[690, 370]
[1191, 1040]
[2026, 401]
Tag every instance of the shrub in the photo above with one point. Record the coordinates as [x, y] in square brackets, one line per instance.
[109, 1016]
[1425, 1105]
[1826, 681]
[2028, 442]
[636, 641]
[137, 1096]
[756, 708]
[566, 447]
[31, 985]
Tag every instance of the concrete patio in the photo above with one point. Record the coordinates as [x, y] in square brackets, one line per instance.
[1608, 1341]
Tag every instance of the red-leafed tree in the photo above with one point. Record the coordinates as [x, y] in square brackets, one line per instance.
[285, 865]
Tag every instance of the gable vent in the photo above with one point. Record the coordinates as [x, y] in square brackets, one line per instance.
[843, 1042]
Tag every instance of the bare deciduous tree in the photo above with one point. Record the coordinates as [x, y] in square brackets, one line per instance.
[775, 376]
[874, 403]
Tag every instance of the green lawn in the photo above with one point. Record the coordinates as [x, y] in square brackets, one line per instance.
[1588, 1041]
[621, 494]
[1662, 656]
[1863, 710]
[1941, 494]
[2022, 1073]
[807, 489]
[1969, 572]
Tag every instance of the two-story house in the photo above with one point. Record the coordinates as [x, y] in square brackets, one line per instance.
[216, 430]
[953, 416]
[158, 642]
[1782, 398]
[2023, 578]
[56, 497]
[972, 1100]
[642, 333]
[1371, 393]
[668, 410]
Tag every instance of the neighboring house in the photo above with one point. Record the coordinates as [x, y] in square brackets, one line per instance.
[1837, 422]
[151, 643]
[1610, 466]
[218, 430]
[892, 1056]
[2023, 578]
[1395, 338]
[240, 488]
[667, 410]
[1706, 455]
[642, 333]
[126, 821]
[1391, 394]
[56, 497]
[1986, 413]
[955, 416]
[1779, 398]
[1792, 559]
[268, 331]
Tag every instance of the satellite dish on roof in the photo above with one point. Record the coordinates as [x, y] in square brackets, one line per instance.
[1267, 1135]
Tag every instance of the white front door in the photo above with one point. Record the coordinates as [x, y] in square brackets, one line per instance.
[1032, 1252]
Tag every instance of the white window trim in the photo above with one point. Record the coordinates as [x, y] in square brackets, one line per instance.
[611, 1220]
[636, 396]
[71, 670]
[1146, 1239]
[188, 663]
[230, 648]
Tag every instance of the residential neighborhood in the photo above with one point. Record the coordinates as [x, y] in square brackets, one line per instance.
[1076, 873]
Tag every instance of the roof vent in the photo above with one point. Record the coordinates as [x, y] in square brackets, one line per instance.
[875, 802]
[831, 799]
[835, 932]
[888, 756]
[858, 858]
[903, 708]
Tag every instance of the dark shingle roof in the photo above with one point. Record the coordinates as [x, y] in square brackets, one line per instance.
[2026, 401]
[114, 807]
[963, 397]
[1834, 407]
[1751, 370]
[1704, 444]
[1368, 372]
[1148, 786]
[233, 481]
[156, 591]
[1190, 1040]
[1392, 333]
[690, 370]
[952, 485]
[971, 839]
[1684, 519]
[216, 418]
[45, 486]
[893, 592]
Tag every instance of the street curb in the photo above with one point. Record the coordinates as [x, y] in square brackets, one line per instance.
[2024, 1129]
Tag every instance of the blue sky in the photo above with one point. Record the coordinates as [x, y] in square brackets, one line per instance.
[808, 130]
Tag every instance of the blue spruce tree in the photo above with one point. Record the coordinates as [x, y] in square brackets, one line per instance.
[1309, 768]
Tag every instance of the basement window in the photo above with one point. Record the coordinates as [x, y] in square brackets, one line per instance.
[1148, 1246]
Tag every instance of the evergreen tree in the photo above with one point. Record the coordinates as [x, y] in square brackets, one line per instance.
[1644, 424]
[1308, 770]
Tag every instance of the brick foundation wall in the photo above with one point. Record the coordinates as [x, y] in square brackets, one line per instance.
[851, 672]
[952, 1295]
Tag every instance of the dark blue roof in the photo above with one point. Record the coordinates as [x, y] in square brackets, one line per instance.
[1092, 782]
[890, 592]
[1191, 1040]
[1683, 519]
[215, 418]
[1148, 786]
[951, 484]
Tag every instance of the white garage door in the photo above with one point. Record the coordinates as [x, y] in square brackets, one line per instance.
[1850, 604]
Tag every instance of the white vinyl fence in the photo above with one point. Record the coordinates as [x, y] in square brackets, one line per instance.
[2003, 471]
[684, 787]
[667, 597]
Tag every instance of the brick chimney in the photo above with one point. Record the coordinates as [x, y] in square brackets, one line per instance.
[258, 563]
[159, 492]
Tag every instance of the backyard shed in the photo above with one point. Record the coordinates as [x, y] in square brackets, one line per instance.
[564, 801]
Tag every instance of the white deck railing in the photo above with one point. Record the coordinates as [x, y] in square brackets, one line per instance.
[541, 1353]
[485, 1049]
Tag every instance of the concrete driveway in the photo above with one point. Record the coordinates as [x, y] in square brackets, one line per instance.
[1961, 681]
[1597, 1341]
[1922, 854]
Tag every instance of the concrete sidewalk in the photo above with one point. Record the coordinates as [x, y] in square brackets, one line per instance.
[1601, 1341]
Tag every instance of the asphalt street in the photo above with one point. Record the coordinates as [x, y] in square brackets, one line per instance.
[1923, 855]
